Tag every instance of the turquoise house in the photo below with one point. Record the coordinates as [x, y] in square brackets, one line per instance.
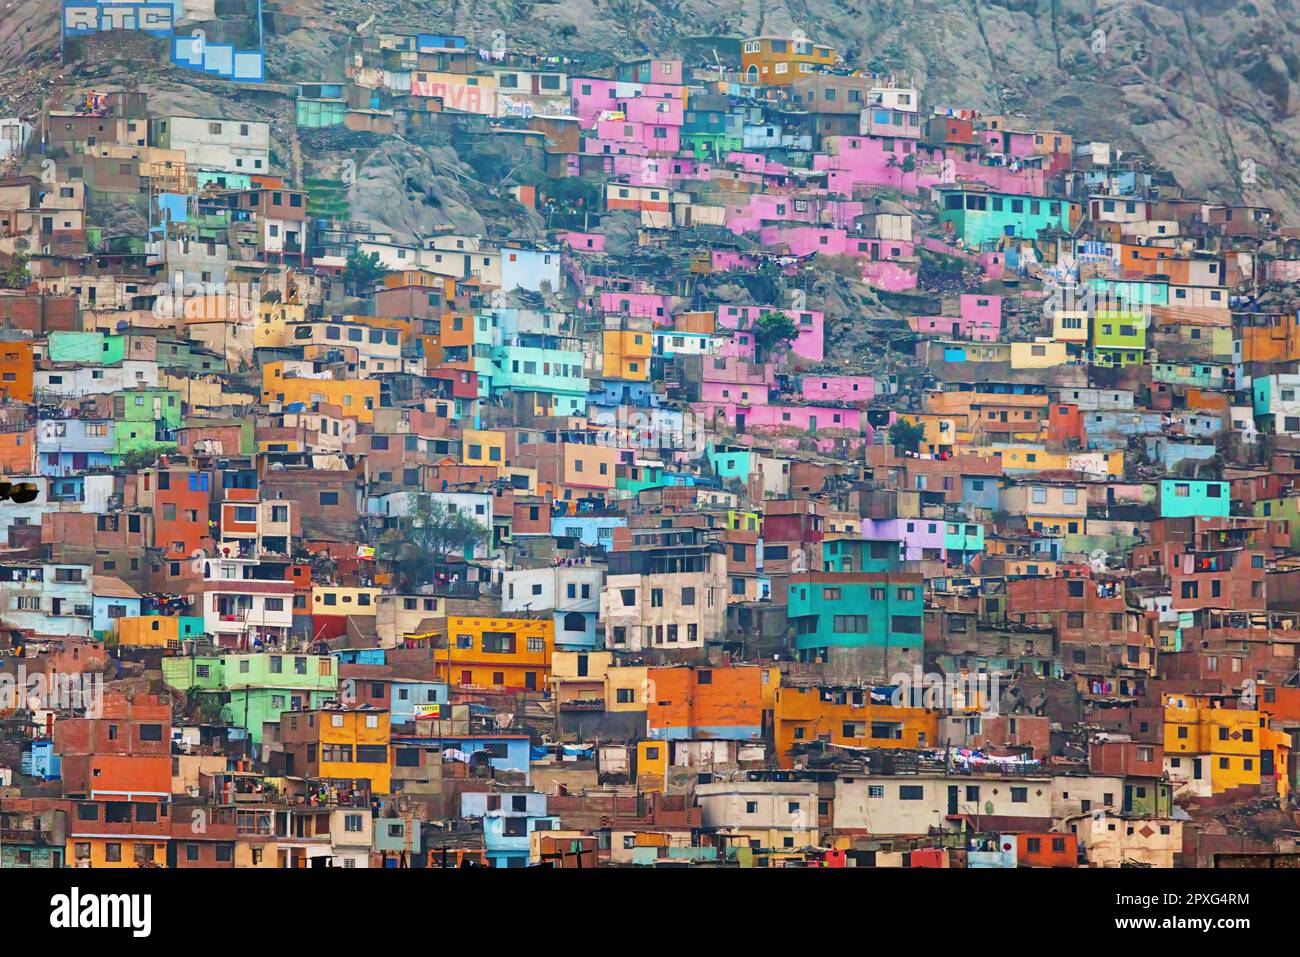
[1185, 498]
[855, 611]
[980, 216]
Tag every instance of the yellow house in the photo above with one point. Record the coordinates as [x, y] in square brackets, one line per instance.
[626, 688]
[115, 852]
[779, 61]
[627, 355]
[340, 600]
[506, 653]
[1035, 458]
[1070, 325]
[149, 631]
[340, 745]
[480, 447]
[1211, 749]
[801, 716]
[1039, 354]
[940, 432]
[273, 322]
[356, 397]
[651, 765]
[578, 679]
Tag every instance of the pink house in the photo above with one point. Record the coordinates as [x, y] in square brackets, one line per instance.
[807, 344]
[883, 121]
[594, 95]
[630, 137]
[655, 306]
[1017, 144]
[722, 260]
[730, 369]
[980, 320]
[585, 242]
[994, 264]
[640, 169]
[868, 162]
[838, 388]
[756, 163]
[806, 240]
[805, 418]
[652, 111]
[723, 393]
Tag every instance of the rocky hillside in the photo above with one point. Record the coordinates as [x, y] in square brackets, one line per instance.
[1205, 88]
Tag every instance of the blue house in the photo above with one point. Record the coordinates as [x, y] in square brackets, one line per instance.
[408, 696]
[111, 599]
[509, 819]
[591, 530]
[39, 760]
[502, 752]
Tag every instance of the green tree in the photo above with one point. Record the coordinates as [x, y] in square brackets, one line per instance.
[434, 535]
[906, 436]
[362, 271]
[13, 272]
[772, 329]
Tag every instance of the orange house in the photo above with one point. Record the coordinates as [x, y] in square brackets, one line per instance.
[846, 716]
[1270, 338]
[125, 754]
[179, 499]
[16, 367]
[1047, 850]
[16, 452]
[735, 703]
[779, 61]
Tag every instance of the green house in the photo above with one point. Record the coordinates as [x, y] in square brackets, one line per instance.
[1119, 339]
[247, 690]
[1282, 509]
[86, 348]
[145, 420]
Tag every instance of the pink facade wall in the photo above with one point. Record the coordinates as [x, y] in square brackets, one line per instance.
[592, 95]
[585, 242]
[731, 392]
[868, 163]
[657, 307]
[807, 344]
[838, 388]
[734, 370]
[980, 320]
[630, 137]
[993, 264]
[641, 169]
[889, 276]
[807, 418]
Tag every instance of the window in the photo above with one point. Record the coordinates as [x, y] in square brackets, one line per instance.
[911, 792]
